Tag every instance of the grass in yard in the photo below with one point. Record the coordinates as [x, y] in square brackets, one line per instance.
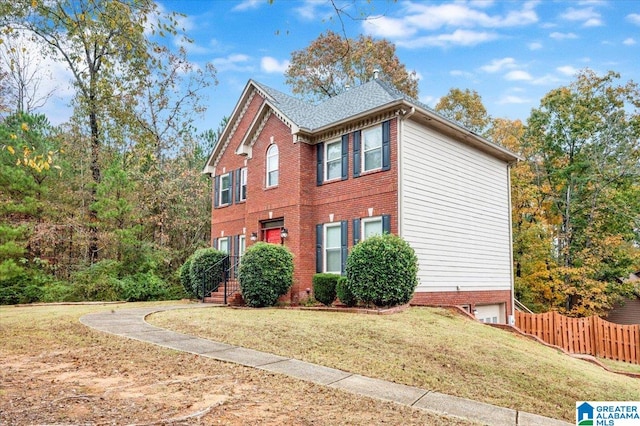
[426, 347]
[620, 366]
[55, 370]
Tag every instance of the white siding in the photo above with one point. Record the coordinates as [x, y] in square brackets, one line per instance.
[454, 212]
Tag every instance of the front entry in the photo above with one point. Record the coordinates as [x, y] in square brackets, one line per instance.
[272, 236]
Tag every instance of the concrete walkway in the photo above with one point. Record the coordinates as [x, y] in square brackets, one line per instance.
[131, 323]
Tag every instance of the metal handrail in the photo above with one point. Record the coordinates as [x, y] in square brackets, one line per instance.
[521, 307]
[227, 277]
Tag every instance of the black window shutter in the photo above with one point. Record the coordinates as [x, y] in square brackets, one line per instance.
[216, 191]
[343, 250]
[356, 153]
[386, 145]
[356, 231]
[236, 245]
[231, 181]
[320, 164]
[215, 243]
[237, 183]
[386, 224]
[345, 157]
[319, 238]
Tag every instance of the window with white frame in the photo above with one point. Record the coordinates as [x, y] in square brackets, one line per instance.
[371, 226]
[332, 248]
[223, 244]
[225, 189]
[272, 165]
[243, 184]
[333, 160]
[372, 148]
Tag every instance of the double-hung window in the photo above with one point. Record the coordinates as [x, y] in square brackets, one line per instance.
[331, 247]
[273, 159]
[225, 189]
[333, 160]
[243, 184]
[372, 148]
[223, 244]
[333, 163]
[371, 226]
[367, 227]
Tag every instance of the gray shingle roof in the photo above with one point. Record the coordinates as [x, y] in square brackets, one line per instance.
[366, 97]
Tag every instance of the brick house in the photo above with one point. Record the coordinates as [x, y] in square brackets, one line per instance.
[367, 161]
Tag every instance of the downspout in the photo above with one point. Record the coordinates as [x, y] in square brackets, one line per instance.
[400, 170]
[511, 320]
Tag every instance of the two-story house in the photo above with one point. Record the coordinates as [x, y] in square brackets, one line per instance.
[367, 161]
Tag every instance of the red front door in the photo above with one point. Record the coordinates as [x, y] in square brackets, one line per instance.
[272, 236]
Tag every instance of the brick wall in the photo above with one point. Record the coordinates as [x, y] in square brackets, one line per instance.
[303, 204]
[468, 298]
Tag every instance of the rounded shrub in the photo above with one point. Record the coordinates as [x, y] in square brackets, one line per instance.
[185, 276]
[382, 270]
[206, 271]
[324, 288]
[344, 293]
[265, 274]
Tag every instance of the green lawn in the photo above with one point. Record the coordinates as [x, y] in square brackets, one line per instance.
[426, 347]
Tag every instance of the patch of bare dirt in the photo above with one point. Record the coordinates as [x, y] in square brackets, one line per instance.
[77, 376]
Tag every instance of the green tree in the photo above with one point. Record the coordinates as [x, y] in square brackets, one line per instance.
[104, 45]
[331, 63]
[585, 142]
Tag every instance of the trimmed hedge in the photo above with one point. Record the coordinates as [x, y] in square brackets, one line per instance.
[324, 287]
[382, 270]
[207, 267]
[265, 274]
[344, 293]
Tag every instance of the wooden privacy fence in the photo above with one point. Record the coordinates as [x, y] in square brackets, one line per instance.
[591, 335]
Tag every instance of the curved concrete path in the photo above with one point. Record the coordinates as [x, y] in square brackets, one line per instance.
[131, 323]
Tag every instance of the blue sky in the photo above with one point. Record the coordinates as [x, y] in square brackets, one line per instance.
[511, 52]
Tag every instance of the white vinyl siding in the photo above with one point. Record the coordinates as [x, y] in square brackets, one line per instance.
[455, 212]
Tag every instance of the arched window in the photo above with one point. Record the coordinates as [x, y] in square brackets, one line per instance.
[272, 165]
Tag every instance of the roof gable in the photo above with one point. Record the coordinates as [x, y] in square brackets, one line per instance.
[307, 118]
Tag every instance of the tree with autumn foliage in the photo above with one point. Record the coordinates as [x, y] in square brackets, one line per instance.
[465, 107]
[332, 63]
[584, 145]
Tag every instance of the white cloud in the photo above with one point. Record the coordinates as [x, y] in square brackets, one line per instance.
[518, 75]
[461, 73]
[534, 46]
[634, 18]
[457, 38]
[313, 9]
[430, 17]
[562, 36]
[567, 70]
[498, 65]
[629, 42]
[588, 16]
[271, 65]
[248, 5]
[511, 99]
[392, 28]
[233, 62]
